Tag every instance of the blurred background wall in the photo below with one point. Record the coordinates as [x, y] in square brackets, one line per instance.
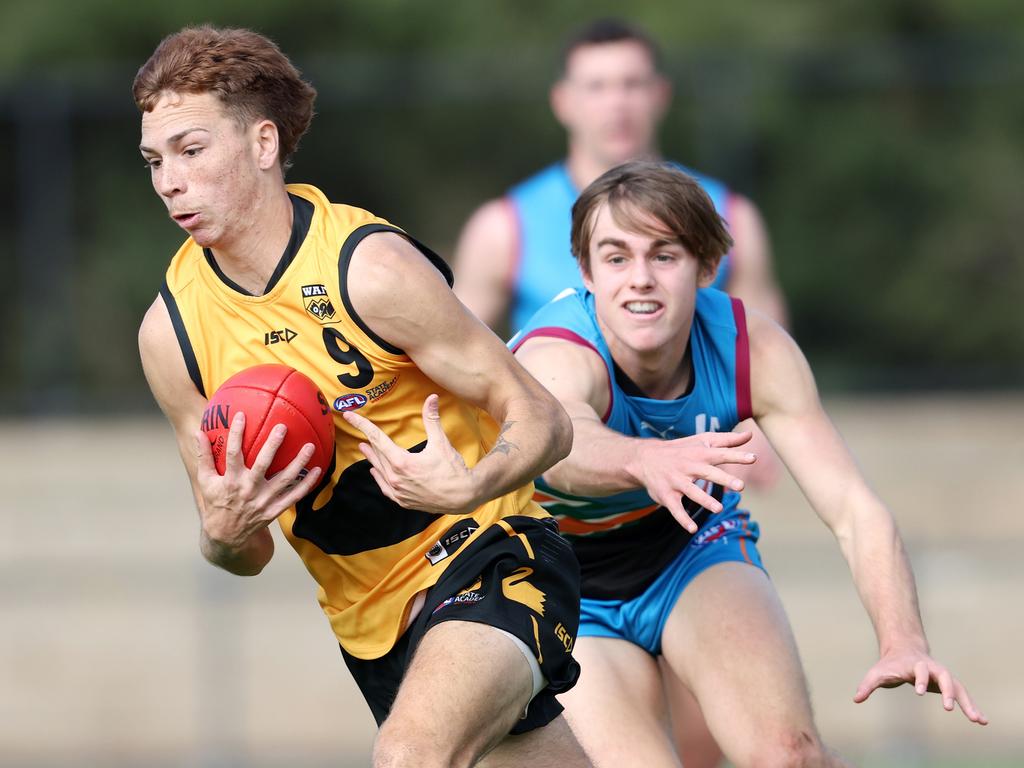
[884, 143]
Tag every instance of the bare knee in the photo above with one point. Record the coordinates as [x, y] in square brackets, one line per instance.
[789, 749]
[404, 745]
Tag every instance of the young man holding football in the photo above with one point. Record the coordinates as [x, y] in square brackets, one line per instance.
[436, 570]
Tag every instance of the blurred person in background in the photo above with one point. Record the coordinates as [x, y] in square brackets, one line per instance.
[513, 254]
[673, 590]
[447, 587]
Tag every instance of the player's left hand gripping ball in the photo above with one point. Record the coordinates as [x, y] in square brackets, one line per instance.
[270, 395]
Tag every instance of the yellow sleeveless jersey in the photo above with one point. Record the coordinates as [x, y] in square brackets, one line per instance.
[369, 556]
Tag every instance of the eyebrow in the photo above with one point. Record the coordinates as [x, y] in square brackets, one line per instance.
[655, 244]
[175, 138]
[663, 242]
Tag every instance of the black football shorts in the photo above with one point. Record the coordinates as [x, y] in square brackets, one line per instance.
[520, 576]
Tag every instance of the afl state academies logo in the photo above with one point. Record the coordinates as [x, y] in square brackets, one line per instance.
[350, 402]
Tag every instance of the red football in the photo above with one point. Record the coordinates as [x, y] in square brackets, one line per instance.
[270, 395]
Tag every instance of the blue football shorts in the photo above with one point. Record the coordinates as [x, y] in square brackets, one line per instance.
[728, 537]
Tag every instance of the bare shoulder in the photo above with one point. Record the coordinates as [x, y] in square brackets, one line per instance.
[779, 372]
[745, 219]
[764, 330]
[485, 258]
[569, 371]
[386, 267]
[752, 277]
[492, 224]
[768, 339]
[558, 353]
[164, 365]
[156, 333]
[401, 295]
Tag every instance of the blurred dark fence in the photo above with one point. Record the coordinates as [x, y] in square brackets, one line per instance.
[889, 174]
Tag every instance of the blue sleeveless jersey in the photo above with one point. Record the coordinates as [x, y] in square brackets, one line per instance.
[543, 206]
[624, 540]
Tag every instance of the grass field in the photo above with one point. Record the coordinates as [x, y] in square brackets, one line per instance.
[121, 647]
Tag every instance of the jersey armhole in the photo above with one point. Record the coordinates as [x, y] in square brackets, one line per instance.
[744, 407]
[556, 332]
[184, 343]
[345, 259]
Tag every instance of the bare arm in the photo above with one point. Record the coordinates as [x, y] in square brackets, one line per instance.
[602, 461]
[787, 407]
[752, 278]
[234, 510]
[484, 259]
[406, 301]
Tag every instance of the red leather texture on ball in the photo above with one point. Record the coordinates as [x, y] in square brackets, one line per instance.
[269, 395]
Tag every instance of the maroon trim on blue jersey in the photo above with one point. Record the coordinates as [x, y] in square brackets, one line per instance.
[744, 407]
[555, 332]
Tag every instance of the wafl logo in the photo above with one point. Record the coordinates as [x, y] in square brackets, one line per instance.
[317, 302]
[350, 402]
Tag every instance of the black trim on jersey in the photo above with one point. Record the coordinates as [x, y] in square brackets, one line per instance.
[302, 217]
[345, 258]
[183, 340]
[630, 388]
[358, 517]
[621, 564]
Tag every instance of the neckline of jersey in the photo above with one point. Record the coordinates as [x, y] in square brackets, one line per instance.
[302, 218]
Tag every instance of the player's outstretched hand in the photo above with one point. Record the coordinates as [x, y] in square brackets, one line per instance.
[927, 675]
[435, 479]
[242, 500]
[673, 469]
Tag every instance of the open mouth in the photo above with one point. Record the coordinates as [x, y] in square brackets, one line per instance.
[642, 307]
[185, 220]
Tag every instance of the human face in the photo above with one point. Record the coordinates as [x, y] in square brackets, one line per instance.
[203, 164]
[644, 286]
[611, 101]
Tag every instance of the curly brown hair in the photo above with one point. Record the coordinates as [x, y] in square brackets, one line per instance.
[250, 75]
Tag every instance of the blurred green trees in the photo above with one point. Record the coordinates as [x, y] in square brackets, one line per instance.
[883, 140]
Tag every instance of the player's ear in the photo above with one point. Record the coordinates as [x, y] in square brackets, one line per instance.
[707, 273]
[268, 144]
[588, 281]
[558, 98]
[662, 94]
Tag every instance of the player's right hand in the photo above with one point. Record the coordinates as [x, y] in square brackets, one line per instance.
[917, 667]
[670, 470]
[243, 501]
[435, 479]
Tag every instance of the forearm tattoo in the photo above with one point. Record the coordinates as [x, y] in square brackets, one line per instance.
[501, 445]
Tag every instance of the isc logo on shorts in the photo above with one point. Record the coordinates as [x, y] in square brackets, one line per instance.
[453, 538]
[564, 637]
